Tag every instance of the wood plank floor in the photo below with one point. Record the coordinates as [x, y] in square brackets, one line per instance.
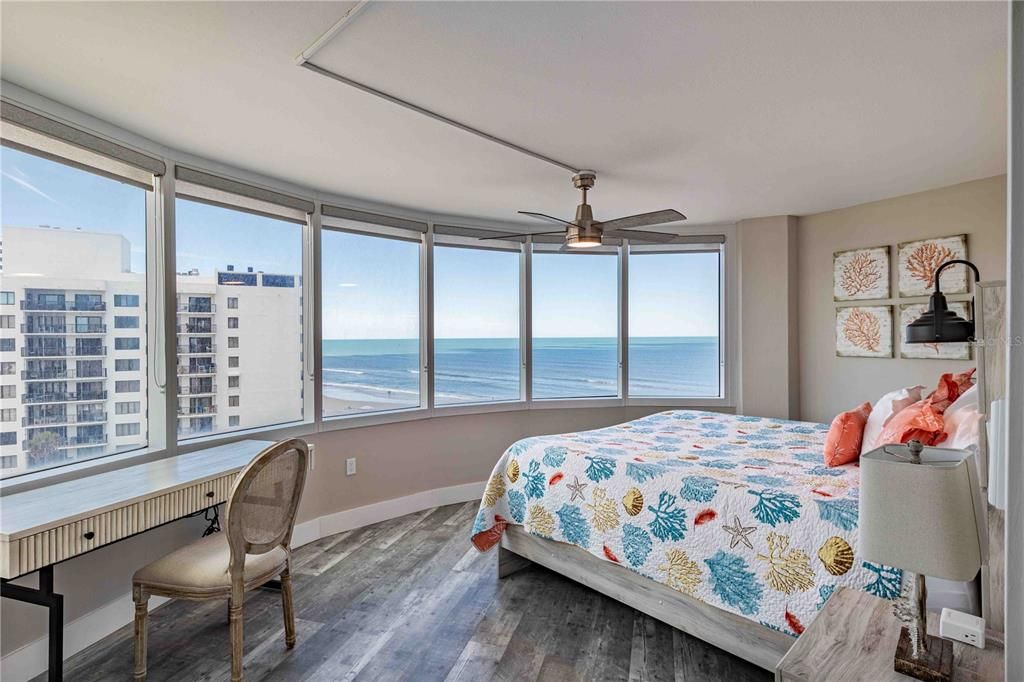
[410, 599]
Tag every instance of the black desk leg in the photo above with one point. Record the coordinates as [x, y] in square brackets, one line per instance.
[44, 596]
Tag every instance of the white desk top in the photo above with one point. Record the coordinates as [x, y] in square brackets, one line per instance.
[37, 510]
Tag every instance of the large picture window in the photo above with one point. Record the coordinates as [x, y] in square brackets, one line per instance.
[476, 325]
[223, 252]
[575, 325]
[674, 322]
[370, 300]
[71, 238]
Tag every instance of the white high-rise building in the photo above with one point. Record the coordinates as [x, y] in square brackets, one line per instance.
[73, 352]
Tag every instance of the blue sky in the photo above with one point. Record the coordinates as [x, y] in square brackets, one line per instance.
[476, 292]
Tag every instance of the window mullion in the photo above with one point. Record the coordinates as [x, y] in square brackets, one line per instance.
[312, 323]
[166, 333]
[526, 322]
[427, 398]
[624, 321]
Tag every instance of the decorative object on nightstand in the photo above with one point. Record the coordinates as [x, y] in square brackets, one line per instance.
[921, 509]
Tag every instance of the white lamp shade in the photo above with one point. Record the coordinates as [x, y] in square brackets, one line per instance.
[926, 518]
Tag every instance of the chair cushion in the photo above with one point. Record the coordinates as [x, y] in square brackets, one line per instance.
[202, 566]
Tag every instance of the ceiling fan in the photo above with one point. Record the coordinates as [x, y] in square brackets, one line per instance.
[585, 232]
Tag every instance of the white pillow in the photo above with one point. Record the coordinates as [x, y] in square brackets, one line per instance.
[962, 421]
[883, 411]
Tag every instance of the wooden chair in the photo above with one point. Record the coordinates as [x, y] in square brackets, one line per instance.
[255, 548]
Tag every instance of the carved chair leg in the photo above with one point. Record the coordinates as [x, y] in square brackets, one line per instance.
[235, 609]
[141, 622]
[288, 607]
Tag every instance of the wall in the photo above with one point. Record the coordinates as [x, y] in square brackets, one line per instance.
[829, 384]
[393, 461]
[769, 339]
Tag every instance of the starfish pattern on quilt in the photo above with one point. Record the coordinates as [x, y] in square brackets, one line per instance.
[739, 533]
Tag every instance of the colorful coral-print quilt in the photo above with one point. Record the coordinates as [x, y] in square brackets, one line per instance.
[738, 512]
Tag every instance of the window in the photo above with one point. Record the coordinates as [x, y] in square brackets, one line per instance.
[9, 438]
[233, 381]
[127, 387]
[8, 415]
[232, 302]
[6, 298]
[575, 325]
[210, 241]
[131, 429]
[286, 281]
[371, 323]
[131, 365]
[234, 420]
[126, 300]
[476, 332]
[126, 321]
[232, 342]
[7, 345]
[6, 321]
[232, 401]
[126, 343]
[131, 407]
[674, 308]
[8, 461]
[7, 391]
[7, 368]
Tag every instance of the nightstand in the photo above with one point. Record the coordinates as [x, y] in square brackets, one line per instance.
[854, 638]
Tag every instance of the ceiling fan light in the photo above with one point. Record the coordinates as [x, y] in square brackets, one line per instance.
[582, 241]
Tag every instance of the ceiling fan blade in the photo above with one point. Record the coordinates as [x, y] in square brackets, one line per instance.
[640, 235]
[515, 236]
[669, 215]
[544, 216]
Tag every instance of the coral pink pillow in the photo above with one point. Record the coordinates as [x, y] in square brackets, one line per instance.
[887, 406]
[951, 386]
[842, 445]
[921, 421]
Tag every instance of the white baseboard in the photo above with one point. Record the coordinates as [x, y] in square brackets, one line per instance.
[30, 660]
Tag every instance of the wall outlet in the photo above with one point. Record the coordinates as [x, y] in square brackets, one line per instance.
[962, 627]
[350, 466]
[312, 457]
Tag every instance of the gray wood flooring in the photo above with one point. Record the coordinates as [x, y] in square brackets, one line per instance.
[410, 599]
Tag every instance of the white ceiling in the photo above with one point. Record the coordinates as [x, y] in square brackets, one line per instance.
[722, 110]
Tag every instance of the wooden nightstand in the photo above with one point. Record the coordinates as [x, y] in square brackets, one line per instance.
[854, 639]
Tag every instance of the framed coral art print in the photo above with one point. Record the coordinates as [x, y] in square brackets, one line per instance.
[936, 351]
[864, 332]
[918, 261]
[861, 274]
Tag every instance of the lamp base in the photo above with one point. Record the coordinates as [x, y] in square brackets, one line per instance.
[935, 665]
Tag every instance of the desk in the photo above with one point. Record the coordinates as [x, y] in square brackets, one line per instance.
[45, 526]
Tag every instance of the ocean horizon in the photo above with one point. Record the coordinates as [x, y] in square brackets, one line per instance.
[469, 370]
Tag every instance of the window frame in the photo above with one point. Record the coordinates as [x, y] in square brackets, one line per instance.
[160, 312]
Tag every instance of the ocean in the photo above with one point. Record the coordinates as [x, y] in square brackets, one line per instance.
[385, 372]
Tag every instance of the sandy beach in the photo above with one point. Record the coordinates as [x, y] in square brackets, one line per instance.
[337, 406]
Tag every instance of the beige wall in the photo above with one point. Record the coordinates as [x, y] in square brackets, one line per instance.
[769, 340]
[829, 384]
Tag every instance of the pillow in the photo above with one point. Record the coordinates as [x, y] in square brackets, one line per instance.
[949, 389]
[887, 406]
[963, 421]
[921, 421]
[842, 445]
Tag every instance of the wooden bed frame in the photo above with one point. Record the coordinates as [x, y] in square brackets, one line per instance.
[741, 637]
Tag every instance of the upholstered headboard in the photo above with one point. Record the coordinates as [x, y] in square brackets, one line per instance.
[990, 314]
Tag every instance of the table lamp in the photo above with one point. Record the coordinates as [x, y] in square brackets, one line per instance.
[921, 510]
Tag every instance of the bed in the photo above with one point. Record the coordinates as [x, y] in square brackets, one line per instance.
[727, 527]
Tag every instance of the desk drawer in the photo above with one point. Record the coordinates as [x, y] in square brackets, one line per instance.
[32, 552]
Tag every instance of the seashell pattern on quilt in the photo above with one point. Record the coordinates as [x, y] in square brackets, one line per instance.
[739, 512]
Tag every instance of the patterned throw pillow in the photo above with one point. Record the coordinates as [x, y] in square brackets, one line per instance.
[842, 445]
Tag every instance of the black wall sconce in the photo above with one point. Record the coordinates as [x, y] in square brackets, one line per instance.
[940, 324]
